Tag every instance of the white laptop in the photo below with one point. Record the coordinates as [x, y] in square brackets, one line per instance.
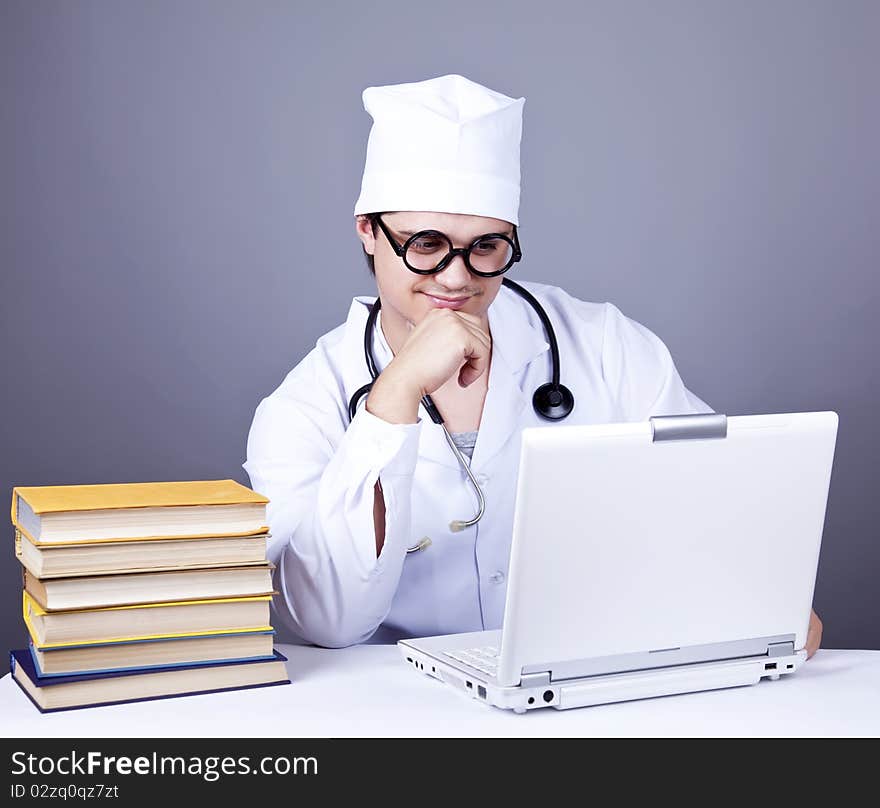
[670, 556]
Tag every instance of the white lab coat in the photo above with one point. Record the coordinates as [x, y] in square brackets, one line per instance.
[318, 471]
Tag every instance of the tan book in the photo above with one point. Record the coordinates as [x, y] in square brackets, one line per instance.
[177, 651]
[145, 622]
[63, 560]
[137, 511]
[93, 592]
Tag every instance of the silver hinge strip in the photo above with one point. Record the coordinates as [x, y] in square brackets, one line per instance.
[689, 427]
[535, 679]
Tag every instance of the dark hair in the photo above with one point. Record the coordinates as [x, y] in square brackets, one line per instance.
[373, 218]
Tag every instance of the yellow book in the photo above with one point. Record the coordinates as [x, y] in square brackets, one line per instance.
[85, 514]
[150, 621]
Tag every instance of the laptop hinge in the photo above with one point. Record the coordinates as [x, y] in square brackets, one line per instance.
[688, 427]
[535, 679]
[780, 649]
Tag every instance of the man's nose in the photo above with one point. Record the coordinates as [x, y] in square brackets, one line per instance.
[456, 273]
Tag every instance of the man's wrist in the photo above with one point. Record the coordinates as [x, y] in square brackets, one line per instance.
[394, 398]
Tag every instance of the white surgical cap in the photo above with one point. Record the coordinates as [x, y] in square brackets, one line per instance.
[446, 144]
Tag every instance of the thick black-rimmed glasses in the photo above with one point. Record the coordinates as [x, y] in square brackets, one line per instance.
[430, 251]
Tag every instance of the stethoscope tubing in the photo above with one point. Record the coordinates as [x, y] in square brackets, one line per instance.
[458, 525]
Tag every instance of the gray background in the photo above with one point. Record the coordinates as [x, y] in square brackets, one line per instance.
[176, 227]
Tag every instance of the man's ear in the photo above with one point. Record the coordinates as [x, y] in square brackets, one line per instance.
[364, 229]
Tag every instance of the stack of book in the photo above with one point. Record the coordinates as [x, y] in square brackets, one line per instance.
[143, 590]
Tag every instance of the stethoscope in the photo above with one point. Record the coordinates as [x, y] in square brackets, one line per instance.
[552, 401]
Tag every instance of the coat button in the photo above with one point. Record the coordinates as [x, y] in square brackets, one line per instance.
[497, 577]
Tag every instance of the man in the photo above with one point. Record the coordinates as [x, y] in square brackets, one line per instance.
[366, 511]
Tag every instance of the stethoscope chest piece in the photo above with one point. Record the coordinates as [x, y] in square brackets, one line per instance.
[553, 401]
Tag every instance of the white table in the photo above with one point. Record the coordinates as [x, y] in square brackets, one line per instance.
[368, 690]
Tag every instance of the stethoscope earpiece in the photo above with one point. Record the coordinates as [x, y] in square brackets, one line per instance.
[553, 401]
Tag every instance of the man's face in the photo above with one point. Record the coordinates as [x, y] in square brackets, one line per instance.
[409, 296]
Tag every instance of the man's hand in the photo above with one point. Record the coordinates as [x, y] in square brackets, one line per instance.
[445, 344]
[814, 634]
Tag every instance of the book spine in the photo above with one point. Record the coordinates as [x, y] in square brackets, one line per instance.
[15, 521]
[29, 625]
[14, 513]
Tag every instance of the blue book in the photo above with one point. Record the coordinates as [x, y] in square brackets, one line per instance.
[119, 687]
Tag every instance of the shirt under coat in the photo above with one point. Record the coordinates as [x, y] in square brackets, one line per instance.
[319, 471]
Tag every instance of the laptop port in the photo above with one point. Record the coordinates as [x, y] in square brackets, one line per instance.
[548, 696]
[770, 666]
[481, 691]
[470, 685]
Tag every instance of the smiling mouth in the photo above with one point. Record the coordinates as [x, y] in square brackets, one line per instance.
[446, 299]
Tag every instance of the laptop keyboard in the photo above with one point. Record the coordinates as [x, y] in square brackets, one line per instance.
[484, 659]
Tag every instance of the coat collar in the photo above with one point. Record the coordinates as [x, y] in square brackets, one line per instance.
[517, 340]
[517, 333]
